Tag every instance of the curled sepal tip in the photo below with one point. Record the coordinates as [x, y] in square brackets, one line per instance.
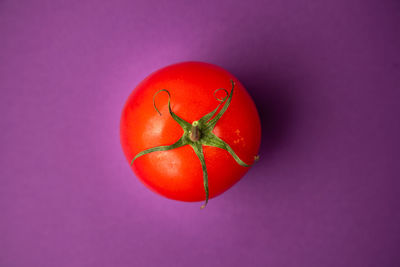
[207, 117]
[184, 124]
[211, 124]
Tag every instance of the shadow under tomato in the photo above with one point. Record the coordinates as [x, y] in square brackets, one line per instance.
[276, 109]
[278, 95]
[275, 82]
[274, 93]
[278, 80]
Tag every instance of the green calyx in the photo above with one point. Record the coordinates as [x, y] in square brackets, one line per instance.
[198, 134]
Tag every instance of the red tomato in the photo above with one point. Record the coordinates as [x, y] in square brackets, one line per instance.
[207, 158]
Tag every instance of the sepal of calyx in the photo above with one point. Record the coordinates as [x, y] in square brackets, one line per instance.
[198, 134]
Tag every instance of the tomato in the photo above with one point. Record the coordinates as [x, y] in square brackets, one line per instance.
[190, 131]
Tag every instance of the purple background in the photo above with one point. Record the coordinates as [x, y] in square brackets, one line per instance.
[325, 76]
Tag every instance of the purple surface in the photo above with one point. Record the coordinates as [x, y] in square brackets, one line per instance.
[325, 76]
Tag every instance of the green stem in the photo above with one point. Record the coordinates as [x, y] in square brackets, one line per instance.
[195, 132]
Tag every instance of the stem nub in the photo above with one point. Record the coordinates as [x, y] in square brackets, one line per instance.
[195, 132]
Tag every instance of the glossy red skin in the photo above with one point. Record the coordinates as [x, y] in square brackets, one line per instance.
[177, 173]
